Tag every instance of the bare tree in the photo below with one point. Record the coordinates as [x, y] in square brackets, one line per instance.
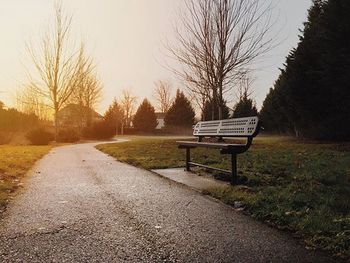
[88, 90]
[56, 63]
[28, 102]
[162, 93]
[245, 88]
[218, 40]
[128, 103]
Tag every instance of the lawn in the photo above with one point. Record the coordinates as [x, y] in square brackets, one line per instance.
[303, 187]
[15, 161]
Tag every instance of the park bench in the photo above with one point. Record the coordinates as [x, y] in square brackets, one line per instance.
[246, 128]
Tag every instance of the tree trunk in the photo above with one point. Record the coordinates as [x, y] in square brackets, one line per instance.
[89, 118]
[220, 110]
[214, 105]
[220, 100]
[56, 124]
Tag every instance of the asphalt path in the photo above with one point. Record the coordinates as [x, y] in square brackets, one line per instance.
[80, 205]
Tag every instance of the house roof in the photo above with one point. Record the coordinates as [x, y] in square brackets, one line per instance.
[71, 108]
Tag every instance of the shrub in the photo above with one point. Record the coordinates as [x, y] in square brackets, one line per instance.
[99, 130]
[68, 135]
[39, 136]
[5, 137]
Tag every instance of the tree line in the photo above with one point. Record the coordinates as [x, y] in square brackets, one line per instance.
[12, 121]
[178, 112]
[218, 43]
[310, 98]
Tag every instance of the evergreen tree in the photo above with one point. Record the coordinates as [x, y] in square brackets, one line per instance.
[181, 112]
[145, 118]
[209, 110]
[313, 91]
[114, 116]
[274, 114]
[245, 108]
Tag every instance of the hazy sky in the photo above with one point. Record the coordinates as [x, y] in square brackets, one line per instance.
[125, 38]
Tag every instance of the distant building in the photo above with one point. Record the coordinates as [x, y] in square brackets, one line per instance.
[160, 119]
[76, 116]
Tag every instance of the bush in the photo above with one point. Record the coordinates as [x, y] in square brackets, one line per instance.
[99, 130]
[5, 137]
[68, 135]
[39, 136]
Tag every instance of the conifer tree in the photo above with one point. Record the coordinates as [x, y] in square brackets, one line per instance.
[181, 112]
[114, 116]
[245, 108]
[145, 118]
[210, 112]
[313, 91]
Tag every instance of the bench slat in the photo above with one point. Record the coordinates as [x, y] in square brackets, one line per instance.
[239, 127]
[209, 145]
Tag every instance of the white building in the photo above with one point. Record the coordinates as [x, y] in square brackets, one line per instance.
[160, 119]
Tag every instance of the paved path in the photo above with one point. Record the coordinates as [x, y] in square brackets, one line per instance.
[195, 181]
[79, 205]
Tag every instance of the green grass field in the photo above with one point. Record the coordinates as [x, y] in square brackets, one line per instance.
[15, 161]
[299, 186]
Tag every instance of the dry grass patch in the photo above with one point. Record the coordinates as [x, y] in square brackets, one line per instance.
[15, 161]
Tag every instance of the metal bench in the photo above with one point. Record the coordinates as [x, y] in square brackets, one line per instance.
[247, 128]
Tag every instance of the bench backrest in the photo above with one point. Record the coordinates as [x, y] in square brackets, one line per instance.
[239, 127]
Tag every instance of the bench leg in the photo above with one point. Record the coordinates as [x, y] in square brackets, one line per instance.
[234, 169]
[188, 159]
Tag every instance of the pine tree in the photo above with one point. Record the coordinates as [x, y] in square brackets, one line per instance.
[114, 116]
[181, 112]
[208, 111]
[245, 107]
[145, 118]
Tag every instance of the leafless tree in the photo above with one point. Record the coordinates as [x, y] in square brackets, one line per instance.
[128, 103]
[245, 88]
[218, 40]
[56, 63]
[28, 102]
[88, 89]
[162, 93]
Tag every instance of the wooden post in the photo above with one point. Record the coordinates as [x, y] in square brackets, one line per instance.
[234, 169]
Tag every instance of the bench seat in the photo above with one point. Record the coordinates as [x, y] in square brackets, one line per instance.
[222, 146]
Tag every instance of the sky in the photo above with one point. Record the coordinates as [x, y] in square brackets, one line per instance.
[126, 39]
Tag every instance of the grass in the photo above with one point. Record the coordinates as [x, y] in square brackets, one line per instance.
[15, 161]
[300, 186]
